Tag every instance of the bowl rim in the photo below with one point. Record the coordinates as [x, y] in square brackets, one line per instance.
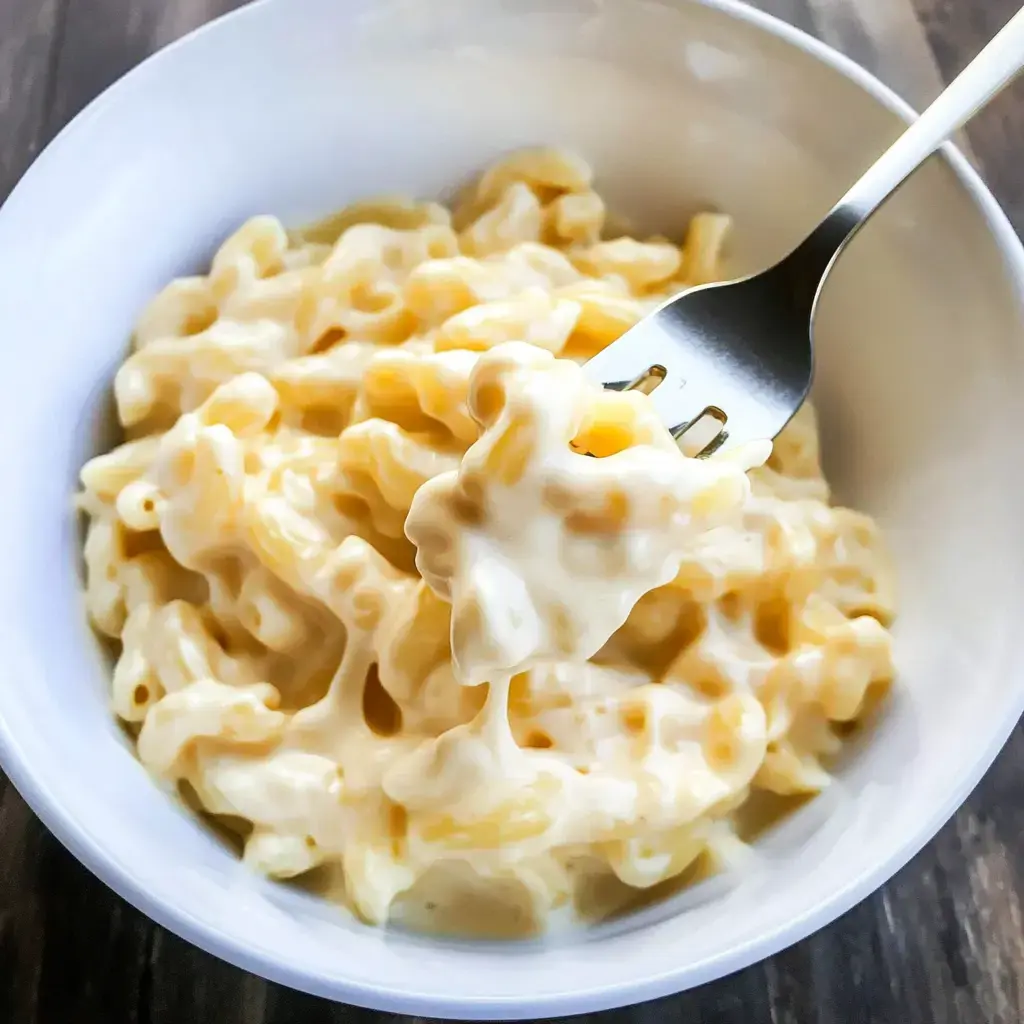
[211, 939]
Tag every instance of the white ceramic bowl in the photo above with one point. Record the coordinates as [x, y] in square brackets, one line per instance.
[295, 106]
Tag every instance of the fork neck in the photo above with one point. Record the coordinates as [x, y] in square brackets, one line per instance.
[807, 266]
[998, 63]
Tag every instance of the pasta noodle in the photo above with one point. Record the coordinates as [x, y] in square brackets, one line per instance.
[396, 587]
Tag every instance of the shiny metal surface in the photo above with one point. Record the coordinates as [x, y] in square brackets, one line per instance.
[742, 351]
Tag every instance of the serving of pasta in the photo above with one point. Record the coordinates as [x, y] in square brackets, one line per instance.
[410, 605]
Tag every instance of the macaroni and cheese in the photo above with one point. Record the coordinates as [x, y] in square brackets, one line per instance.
[402, 596]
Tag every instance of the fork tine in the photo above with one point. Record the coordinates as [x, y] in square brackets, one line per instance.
[678, 402]
[698, 377]
[691, 383]
[633, 355]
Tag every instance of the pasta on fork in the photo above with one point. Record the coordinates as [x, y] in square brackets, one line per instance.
[399, 594]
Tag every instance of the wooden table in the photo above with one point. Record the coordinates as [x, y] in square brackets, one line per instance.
[942, 943]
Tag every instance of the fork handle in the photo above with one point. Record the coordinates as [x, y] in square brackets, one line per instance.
[997, 65]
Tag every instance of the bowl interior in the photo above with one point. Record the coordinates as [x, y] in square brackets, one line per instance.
[297, 106]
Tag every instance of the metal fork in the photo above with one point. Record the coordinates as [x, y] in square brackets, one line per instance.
[740, 352]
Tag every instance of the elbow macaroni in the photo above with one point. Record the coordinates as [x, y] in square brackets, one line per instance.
[398, 588]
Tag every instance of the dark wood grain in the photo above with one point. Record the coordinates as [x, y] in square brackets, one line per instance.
[942, 943]
[30, 40]
[956, 29]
